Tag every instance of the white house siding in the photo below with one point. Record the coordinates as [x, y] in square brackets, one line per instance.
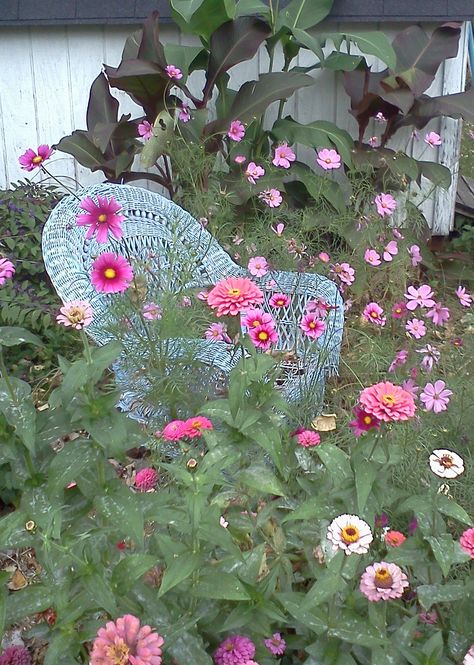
[46, 72]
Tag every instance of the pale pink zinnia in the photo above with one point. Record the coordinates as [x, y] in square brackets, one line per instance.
[324, 257]
[328, 159]
[31, 160]
[258, 266]
[419, 297]
[312, 326]
[436, 396]
[279, 300]
[350, 533]
[236, 131]
[275, 644]
[263, 336]
[469, 657]
[234, 650]
[415, 328]
[284, 155]
[372, 257]
[307, 438]
[374, 314]
[77, 314]
[278, 229]
[253, 172]
[146, 479]
[240, 159]
[7, 270]
[272, 197]
[388, 402]
[385, 204]
[125, 641]
[101, 217]
[145, 130]
[383, 581]
[111, 273]
[174, 72]
[234, 295]
[464, 298]
[467, 542]
[433, 139]
[174, 430]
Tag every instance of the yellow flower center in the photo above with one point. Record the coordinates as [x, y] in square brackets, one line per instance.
[262, 336]
[388, 399]
[118, 653]
[311, 324]
[233, 292]
[446, 461]
[328, 160]
[280, 302]
[37, 160]
[256, 323]
[110, 273]
[102, 218]
[350, 534]
[383, 579]
[398, 310]
[367, 420]
[75, 314]
[373, 315]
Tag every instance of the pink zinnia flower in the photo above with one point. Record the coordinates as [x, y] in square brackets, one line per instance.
[416, 328]
[400, 359]
[254, 318]
[146, 479]
[233, 295]
[101, 217]
[436, 396]
[234, 650]
[111, 273]
[419, 297]
[174, 72]
[124, 641]
[254, 172]
[258, 266]
[184, 114]
[272, 197]
[387, 402]
[344, 272]
[324, 257]
[275, 644]
[372, 257]
[363, 422]
[467, 542]
[279, 300]
[328, 159]
[415, 255]
[194, 426]
[31, 160]
[278, 229]
[7, 270]
[217, 332]
[433, 139]
[174, 430]
[385, 204]
[15, 655]
[145, 130]
[77, 314]
[383, 581]
[283, 156]
[312, 326]
[152, 311]
[399, 310]
[236, 131]
[464, 298]
[374, 313]
[438, 314]
[394, 538]
[263, 336]
[390, 250]
[307, 438]
[432, 356]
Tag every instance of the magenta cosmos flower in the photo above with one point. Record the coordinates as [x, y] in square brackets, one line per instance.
[31, 160]
[307, 438]
[374, 313]
[234, 295]
[436, 396]
[312, 326]
[111, 273]
[254, 318]
[174, 72]
[372, 257]
[387, 402]
[183, 114]
[275, 644]
[101, 217]
[433, 139]
[415, 255]
[284, 155]
[399, 310]
[363, 422]
[328, 159]
[77, 314]
[253, 172]
[439, 314]
[263, 336]
[15, 655]
[415, 328]
[279, 300]
[385, 204]
[236, 131]
[7, 270]
[125, 642]
[400, 359]
[234, 650]
[258, 266]
[145, 130]
[467, 542]
[464, 298]
[419, 297]
[272, 197]
[217, 332]
[383, 581]
[319, 307]
[344, 272]
[146, 479]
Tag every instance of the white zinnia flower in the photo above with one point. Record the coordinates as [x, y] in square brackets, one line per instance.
[350, 533]
[469, 657]
[446, 464]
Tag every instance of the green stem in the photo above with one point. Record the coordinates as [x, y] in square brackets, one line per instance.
[6, 378]
[87, 348]
[61, 184]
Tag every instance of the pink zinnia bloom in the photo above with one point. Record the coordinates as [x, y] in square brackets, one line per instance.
[432, 356]
[258, 266]
[399, 310]
[174, 431]
[328, 159]
[152, 311]
[307, 438]
[184, 114]
[77, 314]
[272, 197]
[379, 117]
[390, 250]
[31, 160]
[101, 217]
[464, 298]
[469, 657]
[234, 295]
[438, 314]
[255, 318]
[254, 172]
[387, 402]
[363, 422]
[372, 257]
[419, 297]
[263, 336]
[415, 255]
[217, 332]
[202, 295]
[411, 388]
[467, 542]
[312, 326]
[283, 156]
[324, 257]
[400, 359]
[275, 644]
[15, 655]
[145, 130]
[146, 479]
[234, 650]
[279, 300]
[174, 72]
[236, 131]
[344, 272]
[416, 328]
[436, 396]
[124, 641]
[385, 204]
[383, 581]
[278, 229]
[194, 426]
[433, 139]
[111, 273]
[374, 313]
[7, 270]
[373, 141]
[394, 538]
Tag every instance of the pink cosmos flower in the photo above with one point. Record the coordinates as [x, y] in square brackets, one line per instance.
[438, 314]
[467, 543]
[275, 644]
[146, 479]
[379, 117]
[432, 356]
[234, 295]
[174, 430]
[436, 396]
[373, 141]
[390, 250]
[383, 581]
[415, 255]
[419, 297]
[111, 273]
[258, 266]
[152, 312]
[77, 314]
[279, 300]
[385, 204]
[307, 438]
[254, 172]
[145, 130]
[324, 257]
[101, 217]
[399, 310]
[234, 650]
[284, 155]
[416, 328]
[174, 72]
[255, 318]
[7, 270]
[31, 160]
[272, 197]
[184, 115]
[193, 427]
[396, 234]
[344, 272]
[217, 332]
[236, 131]
[430, 618]
[411, 388]
[400, 359]
[15, 655]
[363, 422]
[464, 298]
[433, 139]
[278, 229]
[202, 295]
[469, 657]
[394, 538]
[387, 402]
[312, 326]
[263, 336]
[372, 257]
[374, 313]
[319, 307]
[240, 159]
[329, 159]
[124, 641]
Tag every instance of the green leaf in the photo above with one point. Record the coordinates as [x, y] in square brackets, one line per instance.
[314, 619]
[219, 586]
[130, 569]
[323, 589]
[183, 56]
[450, 508]
[30, 600]
[311, 42]
[203, 17]
[437, 173]
[186, 8]
[12, 336]
[315, 135]
[163, 130]
[122, 510]
[261, 479]
[60, 649]
[99, 589]
[374, 43]
[351, 628]
[250, 7]
[189, 648]
[402, 165]
[79, 145]
[3, 603]
[429, 594]
[303, 14]
[315, 508]
[442, 547]
[365, 474]
[320, 187]
[342, 61]
[335, 460]
[178, 570]
[69, 463]
[18, 409]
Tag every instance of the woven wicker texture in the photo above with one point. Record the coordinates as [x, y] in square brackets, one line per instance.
[155, 229]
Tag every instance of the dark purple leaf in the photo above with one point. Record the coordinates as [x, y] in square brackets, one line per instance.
[150, 46]
[143, 80]
[102, 107]
[79, 144]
